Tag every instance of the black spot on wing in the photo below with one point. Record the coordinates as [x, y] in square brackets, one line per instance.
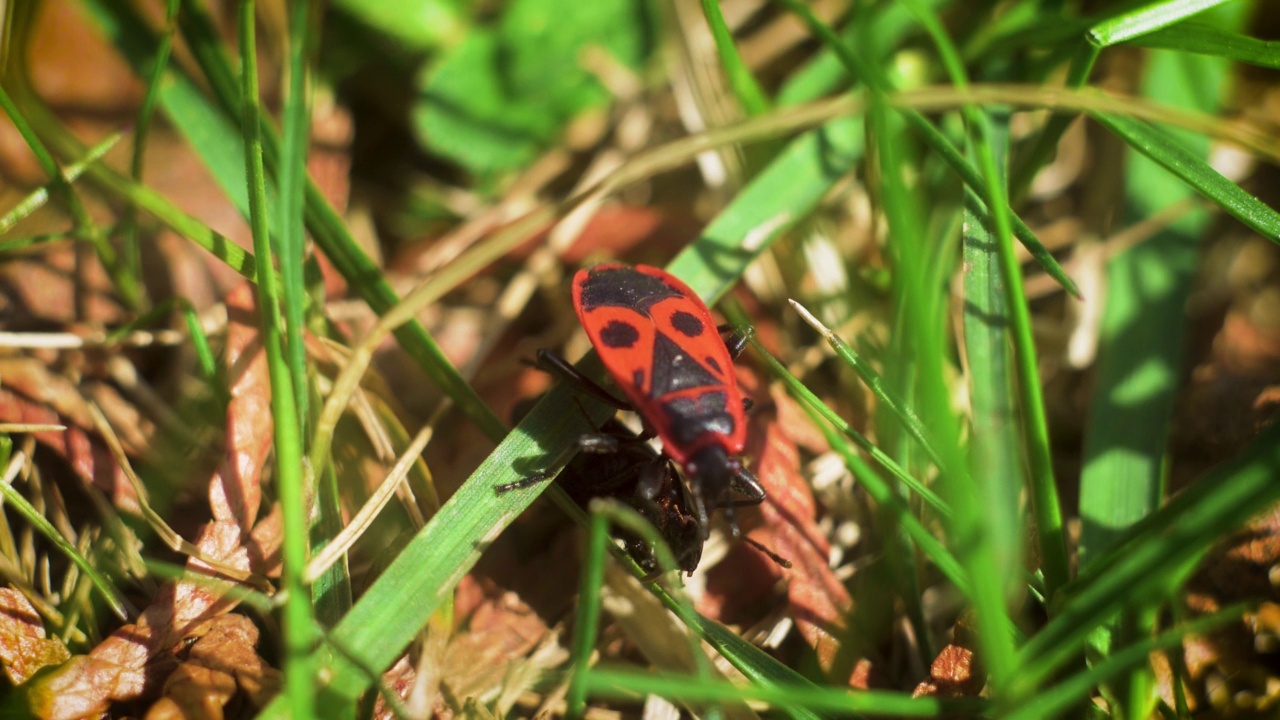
[711, 363]
[690, 417]
[619, 334]
[674, 369]
[624, 287]
[687, 324]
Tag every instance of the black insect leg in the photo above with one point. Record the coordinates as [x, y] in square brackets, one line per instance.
[735, 338]
[747, 484]
[597, 443]
[549, 362]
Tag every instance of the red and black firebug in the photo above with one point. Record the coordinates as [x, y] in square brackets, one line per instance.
[656, 338]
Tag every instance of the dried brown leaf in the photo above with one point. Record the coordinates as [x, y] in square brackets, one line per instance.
[24, 647]
[221, 665]
[33, 394]
[818, 601]
[134, 659]
[501, 630]
[194, 692]
[952, 675]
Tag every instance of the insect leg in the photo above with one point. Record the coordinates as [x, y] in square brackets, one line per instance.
[735, 338]
[746, 483]
[549, 362]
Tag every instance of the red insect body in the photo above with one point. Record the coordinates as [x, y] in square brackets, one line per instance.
[657, 339]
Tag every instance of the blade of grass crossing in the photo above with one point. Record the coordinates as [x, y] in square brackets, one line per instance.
[811, 401]
[841, 703]
[299, 629]
[778, 197]
[743, 83]
[293, 178]
[906, 416]
[1062, 695]
[1205, 39]
[588, 621]
[131, 254]
[1146, 19]
[1176, 158]
[128, 285]
[997, 553]
[39, 197]
[1148, 570]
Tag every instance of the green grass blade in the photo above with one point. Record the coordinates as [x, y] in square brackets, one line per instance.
[905, 415]
[1046, 143]
[130, 250]
[1062, 695]
[298, 620]
[743, 83]
[1197, 173]
[296, 127]
[39, 197]
[587, 624]
[1147, 19]
[815, 405]
[842, 703]
[128, 285]
[1139, 359]
[780, 196]
[1142, 572]
[997, 454]
[1194, 37]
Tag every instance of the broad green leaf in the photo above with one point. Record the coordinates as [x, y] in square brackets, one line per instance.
[502, 95]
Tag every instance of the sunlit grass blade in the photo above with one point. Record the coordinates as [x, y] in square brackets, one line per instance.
[84, 227]
[603, 514]
[910, 421]
[1143, 571]
[815, 405]
[39, 197]
[1204, 39]
[776, 199]
[997, 455]
[1146, 19]
[1197, 173]
[298, 614]
[876, 487]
